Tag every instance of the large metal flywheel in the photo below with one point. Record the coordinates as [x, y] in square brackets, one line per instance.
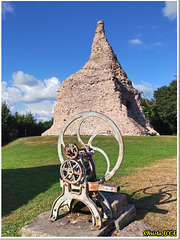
[79, 179]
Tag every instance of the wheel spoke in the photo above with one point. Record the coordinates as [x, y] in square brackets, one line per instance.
[65, 169]
[105, 155]
[99, 149]
[71, 171]
[66, 176]
[73, 177]
[69, 164]
[78, 132]
[76, 165]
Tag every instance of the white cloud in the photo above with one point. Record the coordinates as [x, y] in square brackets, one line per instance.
[6, 8]
[42, 110]
[14, 94]
[10, 94]
[145, 88]
[135, 41]
[21, 78]
[37, 96]
[157, 44]
[170, 10]
[34, 90]
[4, 93]
[138, 42]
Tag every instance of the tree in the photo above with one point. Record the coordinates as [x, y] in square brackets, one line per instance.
[26, 124]
[166, 105]
[20, 125]
[162, 109]
[43, 126]
[8, 124]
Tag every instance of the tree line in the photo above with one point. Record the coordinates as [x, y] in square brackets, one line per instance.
[20, 125]
[161, 111]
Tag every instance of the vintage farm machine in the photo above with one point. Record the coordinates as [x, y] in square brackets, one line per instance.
[79, 180]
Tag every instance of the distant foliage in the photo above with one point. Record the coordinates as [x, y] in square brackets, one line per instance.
[162, 110]
[8, 124]
[26, 125]
[43, 126]
[17, 125]
[166, 104]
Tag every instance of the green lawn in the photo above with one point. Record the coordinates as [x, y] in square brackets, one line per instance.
[30, 171]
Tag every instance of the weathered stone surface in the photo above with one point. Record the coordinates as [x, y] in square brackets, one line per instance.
[67, 226]
[126, 217]
[135, 229]
[118, 202]
[80, 225]
[100, 86]
[43, 228]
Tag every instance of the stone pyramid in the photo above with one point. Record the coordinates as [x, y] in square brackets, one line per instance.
[101, 85]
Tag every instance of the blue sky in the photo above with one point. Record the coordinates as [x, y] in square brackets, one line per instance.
[43, 43]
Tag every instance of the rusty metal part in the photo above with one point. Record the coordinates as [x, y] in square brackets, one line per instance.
[78, 172]
[69, 195]
[71, 171]
[107, 211]
[86, 153]
[95, 186]
[71, 150]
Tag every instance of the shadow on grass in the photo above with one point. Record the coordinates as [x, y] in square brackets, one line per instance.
[156, 196]
[23, 184]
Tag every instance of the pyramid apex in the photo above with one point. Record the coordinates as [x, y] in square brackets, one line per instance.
[100, 26]
[101, 49]
[100, 21]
